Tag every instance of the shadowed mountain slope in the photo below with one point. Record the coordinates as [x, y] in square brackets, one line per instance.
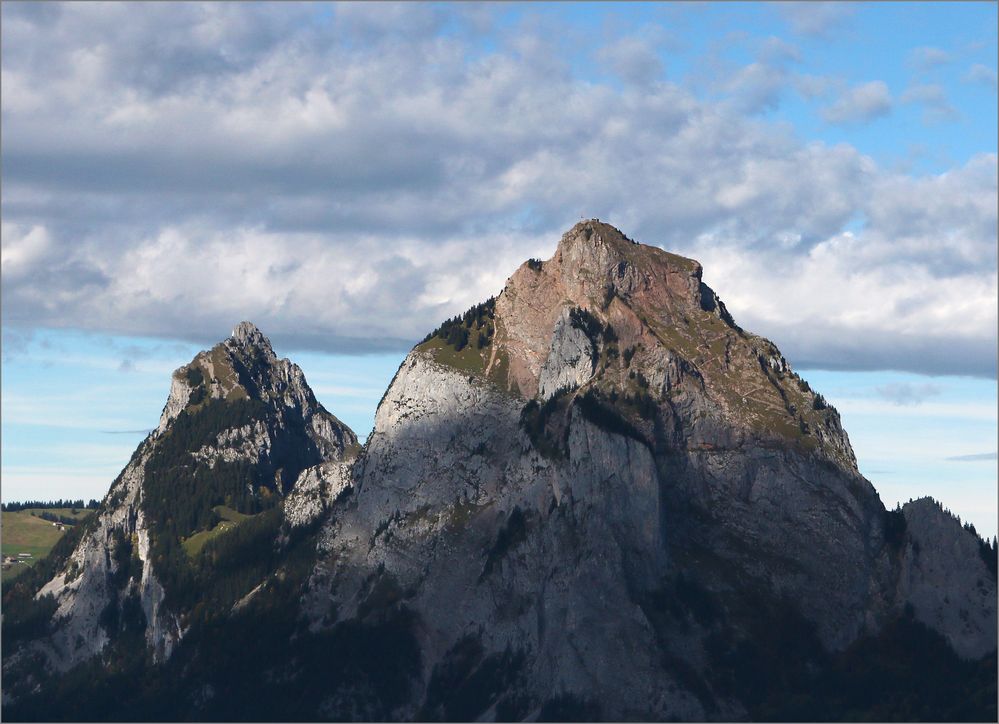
[594, 496]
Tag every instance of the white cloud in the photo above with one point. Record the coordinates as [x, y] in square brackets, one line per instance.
[21, 248]
[933, 98]
[982, 74]
[907, 393]
[927, 57]
[815, 18]
[633, 60]
[348, 181]
[860, 104]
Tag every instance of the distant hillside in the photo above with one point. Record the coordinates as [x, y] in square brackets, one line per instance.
[28, 535]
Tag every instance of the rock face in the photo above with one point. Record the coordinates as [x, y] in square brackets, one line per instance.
[594, 496]
[234, 407]
[944, 581]
[244, 367]
[570, 360]
[89, 583]
[668, 455]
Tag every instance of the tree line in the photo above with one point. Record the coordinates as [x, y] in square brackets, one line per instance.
[26, 504]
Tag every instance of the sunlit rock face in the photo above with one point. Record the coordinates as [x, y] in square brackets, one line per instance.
[551, 499]
[279, 431]
[594, 496]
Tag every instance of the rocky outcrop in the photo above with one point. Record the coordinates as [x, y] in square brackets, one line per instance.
[945, 581]
[244, 367]
[595, 496]
[315, 491]
[109, 568]
[570, 359]
[111, 573]
[499, 545]
[621, 444]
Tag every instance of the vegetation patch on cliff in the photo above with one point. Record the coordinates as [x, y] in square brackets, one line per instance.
[545, 424]
[184, 495]
[461, 341]
[606, 416]
[475, 327]
[227, 519]
[466, 682]
[511, 535]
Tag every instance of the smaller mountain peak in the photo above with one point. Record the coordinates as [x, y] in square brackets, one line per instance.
[594, 231]
[248, 336]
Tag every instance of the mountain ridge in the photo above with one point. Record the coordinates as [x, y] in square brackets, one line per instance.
[594, 495]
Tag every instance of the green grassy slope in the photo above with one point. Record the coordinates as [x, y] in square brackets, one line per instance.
[22, 532]
[230, 519]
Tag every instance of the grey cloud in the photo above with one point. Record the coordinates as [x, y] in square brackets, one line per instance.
[959, 205]
[860, 104]
[365, 22]
[838, 348]
[933, 98]
[776, 50]
[927, 57]
[634, 60]
[814, 86]
[347, 179]
[759, 85]
[907, 393]
[978, 457]
[815, 18]
[154, 48]
[982, 74]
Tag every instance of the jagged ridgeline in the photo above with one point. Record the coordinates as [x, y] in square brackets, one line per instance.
[190, 526]
[594, 496]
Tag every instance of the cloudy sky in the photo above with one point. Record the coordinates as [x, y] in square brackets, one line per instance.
[348, 175]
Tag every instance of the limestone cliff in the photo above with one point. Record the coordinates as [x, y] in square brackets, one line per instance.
[593, 496]
[560, 475]
[236, 407]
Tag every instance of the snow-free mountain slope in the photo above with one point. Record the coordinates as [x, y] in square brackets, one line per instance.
[592, 496]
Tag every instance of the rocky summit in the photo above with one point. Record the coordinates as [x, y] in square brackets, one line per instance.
[592, 497]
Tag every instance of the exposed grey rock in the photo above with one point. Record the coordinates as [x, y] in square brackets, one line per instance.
[316, 489]
[83, 590]
[946, 581]
[742, 481]
[570, 360]
[249, 442]
[437, 518]
[244, 366]
[562, 514]
[240, 368]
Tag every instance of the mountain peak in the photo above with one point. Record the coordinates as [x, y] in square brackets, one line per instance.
[239, 429]
[601, 427]
[594, 240]
[247, 335]
[245, 367]
[595, 231]
[611, 318]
